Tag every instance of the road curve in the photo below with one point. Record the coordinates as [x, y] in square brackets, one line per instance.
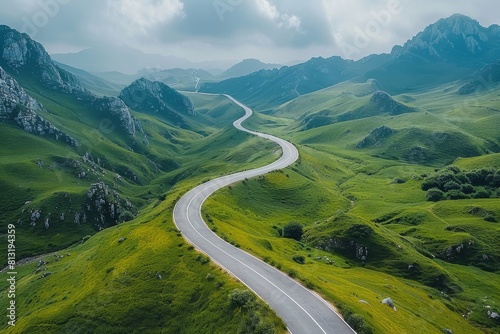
[303, 311]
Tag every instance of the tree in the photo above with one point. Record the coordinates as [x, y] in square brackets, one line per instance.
[293, 230]
[456, 194]
[467, 189]
[451, 185]
[434, 195]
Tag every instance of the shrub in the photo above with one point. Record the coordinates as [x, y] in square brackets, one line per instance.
[203, 259]
[357, 322]
[467, 189]
[293, 230]
[482, 194]
[490, 218]
[299, 259]
[126, 216]
[241, 298]
[359, 231]
[434, 195]
[456, 194]
[451, 185]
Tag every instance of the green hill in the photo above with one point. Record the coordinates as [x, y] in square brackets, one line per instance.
[75, 164]
[369, 231]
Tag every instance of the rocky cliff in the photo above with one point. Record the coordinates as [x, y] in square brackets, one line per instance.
[456, 39]
[105, 207]
[117, 110]
[157, 98]
[20, 54]
[18, 106]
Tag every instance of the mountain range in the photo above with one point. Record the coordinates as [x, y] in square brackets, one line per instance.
[448, 50]
[129, 60]
[245, 67]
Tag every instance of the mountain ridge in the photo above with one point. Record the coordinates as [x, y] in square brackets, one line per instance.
[245, 67]
[129, 60]
[447, 50]
[473, 45]
[18, 106]
[158, 99]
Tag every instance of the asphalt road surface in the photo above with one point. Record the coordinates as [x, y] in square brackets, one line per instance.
[303, 311]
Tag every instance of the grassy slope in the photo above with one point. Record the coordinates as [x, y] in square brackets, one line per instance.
[104, 285]
[107, 286]
[334, 185]
[171, 154]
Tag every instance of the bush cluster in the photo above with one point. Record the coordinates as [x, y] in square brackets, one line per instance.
[453, 183]
[293, 230]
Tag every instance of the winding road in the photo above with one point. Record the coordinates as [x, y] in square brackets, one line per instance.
[303, 311]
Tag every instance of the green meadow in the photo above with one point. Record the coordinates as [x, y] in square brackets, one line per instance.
[368, 231]
[138, 276]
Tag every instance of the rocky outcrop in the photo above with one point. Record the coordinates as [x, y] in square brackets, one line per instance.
[386, 104]
[350, 248]
[18, 106]
[105, 207]
[117, 110]
[376, 137]
[157, 98]
[453, 252]
[20, 54]
[456, 39]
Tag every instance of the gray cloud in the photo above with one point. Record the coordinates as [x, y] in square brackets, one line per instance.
[273, 30]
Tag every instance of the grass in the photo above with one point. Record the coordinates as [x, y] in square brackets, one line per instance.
[41, 174]
[412, 249]
[149, 282]
[101, 284]
[333, 187]
[250, 214]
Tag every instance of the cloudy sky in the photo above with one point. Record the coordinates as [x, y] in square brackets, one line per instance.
[271, 30]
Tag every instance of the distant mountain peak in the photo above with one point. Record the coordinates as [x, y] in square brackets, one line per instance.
[457, 39]
[459, 24]
[22, 54]
[245, 67]
[157, 98]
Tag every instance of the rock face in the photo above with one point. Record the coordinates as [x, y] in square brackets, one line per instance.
[17, 105]
[350, 248]
[353, 243]
[106, 208]
[117, 110]
[157, 98]
[20, 54]
[458, 39]
[386, 104]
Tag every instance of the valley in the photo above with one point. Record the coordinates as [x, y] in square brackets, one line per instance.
[353, 196]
